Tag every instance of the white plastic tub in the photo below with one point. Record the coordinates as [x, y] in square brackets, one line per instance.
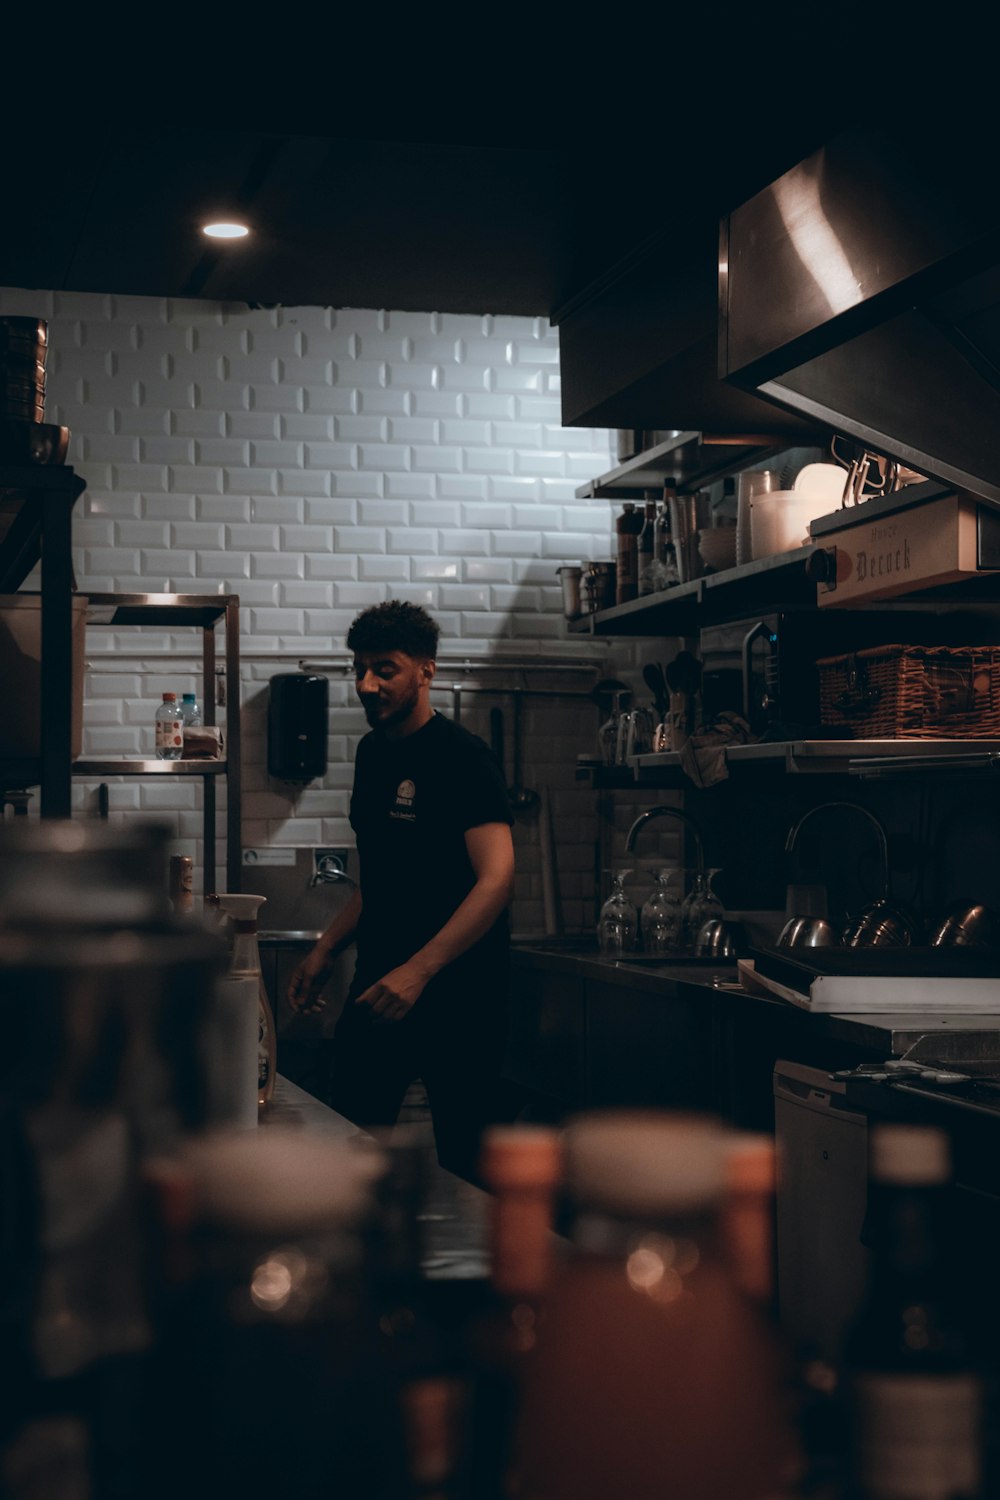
[779, 521]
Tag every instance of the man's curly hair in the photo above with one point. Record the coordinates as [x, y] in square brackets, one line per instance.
[395, 626]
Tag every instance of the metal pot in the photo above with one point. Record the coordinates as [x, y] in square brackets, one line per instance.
[598, 586]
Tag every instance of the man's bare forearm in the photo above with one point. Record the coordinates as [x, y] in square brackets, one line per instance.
[343, 928]
[467, 924]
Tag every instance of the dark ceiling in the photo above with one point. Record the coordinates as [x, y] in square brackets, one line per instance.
[421, 213]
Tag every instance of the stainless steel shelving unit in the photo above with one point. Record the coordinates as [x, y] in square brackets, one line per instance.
[206, 612]
[36, 505]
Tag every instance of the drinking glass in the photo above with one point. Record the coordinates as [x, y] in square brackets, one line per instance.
[660, 918]
[619, 922]
[699, 905]
[607, 735]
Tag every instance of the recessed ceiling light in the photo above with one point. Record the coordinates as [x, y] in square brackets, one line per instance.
[225, 231]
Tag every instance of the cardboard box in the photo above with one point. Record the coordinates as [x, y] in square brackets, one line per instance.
[21, 714]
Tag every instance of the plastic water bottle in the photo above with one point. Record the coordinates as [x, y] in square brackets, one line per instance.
[169, 729]
[190, 709]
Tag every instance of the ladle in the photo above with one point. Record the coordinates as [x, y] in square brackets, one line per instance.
[522, 798]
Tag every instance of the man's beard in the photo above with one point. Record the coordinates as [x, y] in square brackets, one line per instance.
[372, 710]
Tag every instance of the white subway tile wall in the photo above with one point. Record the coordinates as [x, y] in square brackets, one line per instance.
[315, 461]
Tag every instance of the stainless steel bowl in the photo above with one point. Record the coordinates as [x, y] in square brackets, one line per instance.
[973, 926]
[883, 924]
[720, 938]
[807, 932]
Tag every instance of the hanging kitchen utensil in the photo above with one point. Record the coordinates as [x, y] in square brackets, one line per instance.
[860, 483]
[522, 799]
[652, 675]
[496, 738]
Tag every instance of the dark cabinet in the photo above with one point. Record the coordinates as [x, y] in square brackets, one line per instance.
[648, 1049]
[580, 1040]
[546, 1050]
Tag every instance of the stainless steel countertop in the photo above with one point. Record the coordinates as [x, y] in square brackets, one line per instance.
[888, 1033]
[456, 1214]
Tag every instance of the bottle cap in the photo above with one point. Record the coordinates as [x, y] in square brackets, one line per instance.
[521, 1156]
[170, 697]
[188, 697]
[645, 1161]
[911, 1155]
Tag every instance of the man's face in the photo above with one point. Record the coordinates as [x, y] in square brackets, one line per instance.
[389, 685]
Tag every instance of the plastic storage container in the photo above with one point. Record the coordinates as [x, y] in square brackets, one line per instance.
[779, 521]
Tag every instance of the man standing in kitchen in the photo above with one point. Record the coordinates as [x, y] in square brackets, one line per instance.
[432, 820]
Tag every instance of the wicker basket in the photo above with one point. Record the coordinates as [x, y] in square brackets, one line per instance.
[913, 692]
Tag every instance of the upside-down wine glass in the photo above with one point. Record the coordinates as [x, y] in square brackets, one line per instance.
[660, 918]
[699, 906]
[619, 921]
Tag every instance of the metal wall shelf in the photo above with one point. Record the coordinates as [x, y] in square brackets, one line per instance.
[863, 758]
[769, 584]
[693, 460]
[111, 767]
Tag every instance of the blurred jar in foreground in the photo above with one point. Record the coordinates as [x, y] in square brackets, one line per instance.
[653, 1374]
[266, 1377]
[116, 1048]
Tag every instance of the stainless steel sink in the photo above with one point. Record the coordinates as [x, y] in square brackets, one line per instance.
[583, 945]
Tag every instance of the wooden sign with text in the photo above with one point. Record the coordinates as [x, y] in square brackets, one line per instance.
[913, 549]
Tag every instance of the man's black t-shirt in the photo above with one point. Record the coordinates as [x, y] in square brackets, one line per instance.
[413, 801]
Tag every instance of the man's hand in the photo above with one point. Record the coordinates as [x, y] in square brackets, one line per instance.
[308, 980]
[392, 997]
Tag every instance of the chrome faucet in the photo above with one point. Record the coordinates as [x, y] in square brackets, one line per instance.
[668, 812]
[883, 843]
[329, 871]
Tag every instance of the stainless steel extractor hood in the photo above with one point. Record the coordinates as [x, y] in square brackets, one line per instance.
[861, 289]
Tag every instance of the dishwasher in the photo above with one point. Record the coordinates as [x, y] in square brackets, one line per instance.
[821, 1201]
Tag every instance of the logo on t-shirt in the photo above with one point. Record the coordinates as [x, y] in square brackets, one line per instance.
[405, 793]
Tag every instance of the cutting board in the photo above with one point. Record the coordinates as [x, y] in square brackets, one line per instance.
[878, 980]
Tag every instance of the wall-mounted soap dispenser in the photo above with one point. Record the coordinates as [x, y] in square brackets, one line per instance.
[297, 719]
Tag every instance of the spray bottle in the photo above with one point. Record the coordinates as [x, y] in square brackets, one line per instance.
[242, 911]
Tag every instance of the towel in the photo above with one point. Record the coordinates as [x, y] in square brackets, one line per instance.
[703, 755]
